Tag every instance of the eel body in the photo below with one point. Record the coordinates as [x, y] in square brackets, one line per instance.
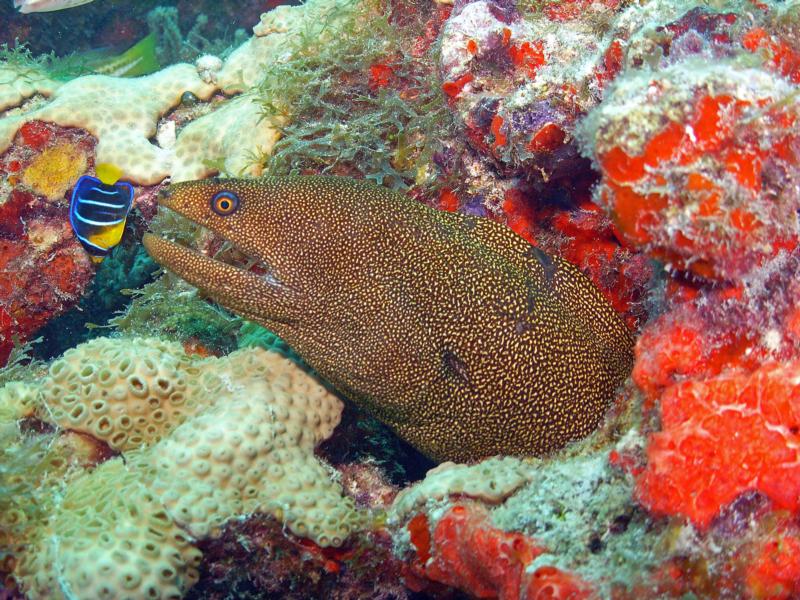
[463, 338]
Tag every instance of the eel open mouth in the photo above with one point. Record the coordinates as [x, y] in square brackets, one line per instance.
[240, 282]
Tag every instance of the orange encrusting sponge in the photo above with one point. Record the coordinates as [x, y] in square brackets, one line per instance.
[723, 436]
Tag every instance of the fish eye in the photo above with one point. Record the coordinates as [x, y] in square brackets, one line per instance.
[224, 203]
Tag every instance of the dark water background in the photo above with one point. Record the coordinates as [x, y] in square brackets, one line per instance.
[119, 24]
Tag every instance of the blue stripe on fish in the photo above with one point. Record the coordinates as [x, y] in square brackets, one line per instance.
[95, 203]
[99, 223]
[102, 191]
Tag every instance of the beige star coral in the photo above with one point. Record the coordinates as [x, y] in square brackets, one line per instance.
[254, 451]
[126, 395]
[18, 83]
[205, 440]
[109, 537]
[492, 481]
[122, 113]
[216, 138]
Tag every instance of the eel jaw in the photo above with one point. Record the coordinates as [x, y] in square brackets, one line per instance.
[261, 298]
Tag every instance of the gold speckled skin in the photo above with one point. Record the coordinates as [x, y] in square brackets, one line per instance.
[451, 329]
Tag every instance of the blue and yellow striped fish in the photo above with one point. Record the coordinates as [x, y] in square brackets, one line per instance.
[98, 210]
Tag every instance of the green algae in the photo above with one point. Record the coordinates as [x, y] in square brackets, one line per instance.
[20, 460]
[33, 463]
[21, 364]
[30, 68]
[359, 104]
[171, 308]
[22, 61]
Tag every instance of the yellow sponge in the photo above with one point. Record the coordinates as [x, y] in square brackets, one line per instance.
[55, 170]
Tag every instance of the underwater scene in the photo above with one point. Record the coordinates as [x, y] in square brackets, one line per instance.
[399, 299]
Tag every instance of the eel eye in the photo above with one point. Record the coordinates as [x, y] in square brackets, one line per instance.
[224, 203]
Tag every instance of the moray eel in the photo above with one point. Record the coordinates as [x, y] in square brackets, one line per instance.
[463, 338]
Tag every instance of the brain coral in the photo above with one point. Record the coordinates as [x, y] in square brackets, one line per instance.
[121, 112]
[204, 440]
[217, 137]
[20, 82]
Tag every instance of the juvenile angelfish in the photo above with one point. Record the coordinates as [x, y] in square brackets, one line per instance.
[453, 330]
[98, 210]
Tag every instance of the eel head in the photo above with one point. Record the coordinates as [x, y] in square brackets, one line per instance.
[232, 209]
